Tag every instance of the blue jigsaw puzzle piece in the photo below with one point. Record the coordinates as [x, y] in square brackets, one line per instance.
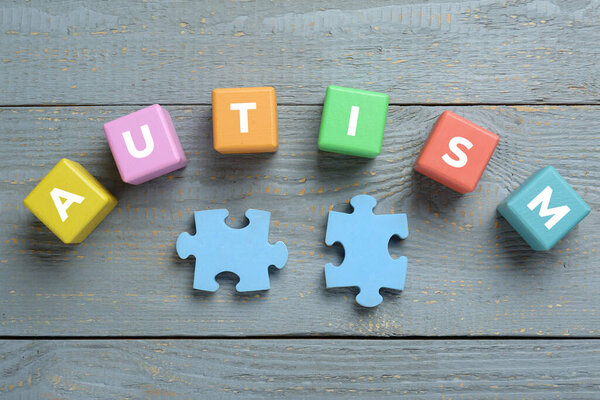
[367, 262]
[218, 248]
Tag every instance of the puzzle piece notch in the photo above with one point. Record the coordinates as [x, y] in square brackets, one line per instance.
[219, 248]
[367, 262]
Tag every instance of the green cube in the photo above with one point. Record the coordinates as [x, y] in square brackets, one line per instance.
[353, 121]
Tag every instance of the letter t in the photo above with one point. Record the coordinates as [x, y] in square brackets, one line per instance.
[243, 109]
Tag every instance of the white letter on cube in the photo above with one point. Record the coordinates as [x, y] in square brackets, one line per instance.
[243, 109]
[557, 213]
[70, 198]
[149, 142]
[462, 157]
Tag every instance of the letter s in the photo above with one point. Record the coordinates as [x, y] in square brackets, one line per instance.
[462, 157]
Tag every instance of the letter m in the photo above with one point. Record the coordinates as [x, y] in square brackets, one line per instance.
[557, 213]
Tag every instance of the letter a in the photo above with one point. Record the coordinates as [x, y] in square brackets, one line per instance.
[70, 198]
[462, 157]
[149, 143]
[543, 198]
[243, 109]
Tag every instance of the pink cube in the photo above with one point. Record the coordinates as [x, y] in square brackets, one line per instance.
[144, 144]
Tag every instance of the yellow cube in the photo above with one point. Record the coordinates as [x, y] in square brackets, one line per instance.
[70, 201]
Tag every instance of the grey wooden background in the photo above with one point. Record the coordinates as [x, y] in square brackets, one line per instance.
[482, 316]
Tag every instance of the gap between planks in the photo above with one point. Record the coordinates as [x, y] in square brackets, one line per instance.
[298, 337]
[56, 105]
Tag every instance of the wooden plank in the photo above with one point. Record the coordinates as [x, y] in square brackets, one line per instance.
[482, 51]
[469, 273]
[192, 369]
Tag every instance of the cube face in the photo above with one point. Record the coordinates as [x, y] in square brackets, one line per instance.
[543, 209]
[245, 120]
[70, 201]
[353, 121]
[456, 153]
[145, 145]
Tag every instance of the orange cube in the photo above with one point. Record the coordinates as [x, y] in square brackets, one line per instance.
[245, 120]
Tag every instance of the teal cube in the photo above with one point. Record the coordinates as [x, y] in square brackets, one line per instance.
[544, 209]
[353, 121]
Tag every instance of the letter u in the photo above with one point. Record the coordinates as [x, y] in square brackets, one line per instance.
[149, 143]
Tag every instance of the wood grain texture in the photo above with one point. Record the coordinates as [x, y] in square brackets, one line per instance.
[221, 369]
[482, 51]
[469, 273]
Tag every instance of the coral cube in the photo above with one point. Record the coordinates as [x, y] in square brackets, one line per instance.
[456, 153]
